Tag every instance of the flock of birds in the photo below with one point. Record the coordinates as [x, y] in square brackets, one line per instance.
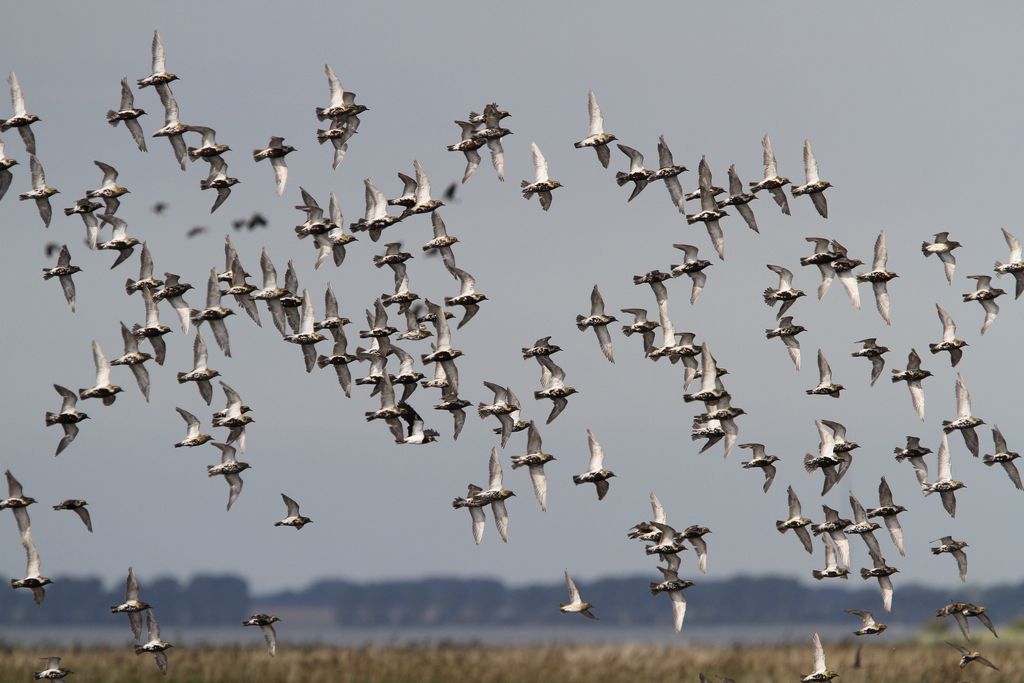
[292, 311]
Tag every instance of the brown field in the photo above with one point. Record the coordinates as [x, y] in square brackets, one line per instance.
[902, 663]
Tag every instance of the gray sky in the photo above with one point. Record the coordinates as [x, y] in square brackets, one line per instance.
[912, 117]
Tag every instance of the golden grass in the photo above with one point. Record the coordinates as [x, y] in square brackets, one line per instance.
[901, 663]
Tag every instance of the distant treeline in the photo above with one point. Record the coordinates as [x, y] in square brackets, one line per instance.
[224, 600]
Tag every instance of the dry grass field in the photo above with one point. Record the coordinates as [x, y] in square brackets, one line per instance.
[902, 663]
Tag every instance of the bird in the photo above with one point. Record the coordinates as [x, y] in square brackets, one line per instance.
[787, 332]
[468, 297]
[821, 672]
[495, 495]
[343, 102]
[842, 265]
[154, 644]
[825, 387]
[132, 606]
[760, 460]
[913, 376]
[827, 459]
[943, 248]
[233, 417]
[868, 627]
[153, 330]
[442, 243]
[77, 505]
[772, 181]
[208, 146]
[693, 267]
[813, 186]
[669, 171]
[534, 460]
[597, 138]
[103, 389]
[553, 387]
[964, 421]
[673, 586]
[468, 144]
[956, 549]
[596, 473]
[504, 403]
[173, 292]
[193, 436]
[915, 453]
[218, 179]
[797, 522]
[33, 580]
[873, 352]
[63, 272]
[40, 192]
[159, 75]
[968, 656]
[109, 190]
[888, 511]
[424, 202]
[944, 484]
[492, 132]
[709, 213]
[146, 279]
[1014, 264]
[784, 293]
[5, 171]
[229, 467]
[119, 240]
[200, 373]
[881, 571]
[695, 535]
[333, 242]
[129, 113]
[67, 417]
[215, 313]
[293, 518]
[1004, 457]
[575, 604]
[647, 531]
[20, 119]
[266, 624]
[270, 292]
[542, 184]
[306, 336]
[740, 199]
[833, 526]
[960, 611]
[276, 151]
[949, 341]
[376, 217]
[864, 528]
[637, 174]
[986, 295]
[173, 129]
[640, 325]
[878, 276]
[822, 257]
[135, 360]
[832, 569]
[53, 670]
[599, 321]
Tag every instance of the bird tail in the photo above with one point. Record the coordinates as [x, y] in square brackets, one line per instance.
[47, 274]
[769, 296]
[627, 330]
[688, 398]
[807, 463]
[459, 503]
[51, 419]
[320, 114]
[129, 286]
[205, 184]
[998, 265]
[621, 178]
[578, 145]
[256, 154]
[192, 153]
[321, 135]
[579, 321]
[924, 249]
[576, 479]
[112, 118]
[780, 526]
[818, 575]
[181, 377]
[321, 361]
[936, 551]
[139, 649]
[933, 348]
[988, 459]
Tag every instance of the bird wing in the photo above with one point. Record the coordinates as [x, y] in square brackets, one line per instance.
[540, 164]
[596, 119]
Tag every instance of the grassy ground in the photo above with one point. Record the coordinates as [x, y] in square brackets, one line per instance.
[905, 663]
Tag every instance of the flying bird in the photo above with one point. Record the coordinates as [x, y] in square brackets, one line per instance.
[597, 138]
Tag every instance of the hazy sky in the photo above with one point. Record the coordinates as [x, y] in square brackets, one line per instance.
[913, 117]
